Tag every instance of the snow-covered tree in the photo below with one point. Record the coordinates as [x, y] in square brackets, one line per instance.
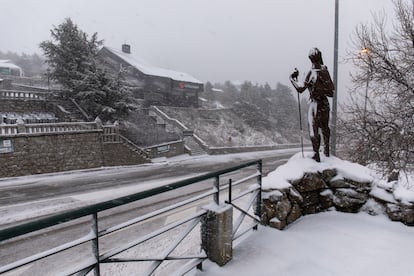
[72, 57]
[105, 96]
[378, 125]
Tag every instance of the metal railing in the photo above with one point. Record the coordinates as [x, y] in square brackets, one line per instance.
[95, 238]
[253, 203]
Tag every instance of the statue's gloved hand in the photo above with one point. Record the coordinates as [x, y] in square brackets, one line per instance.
[295, 74]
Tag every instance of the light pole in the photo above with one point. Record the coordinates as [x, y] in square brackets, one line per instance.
[365, 51]
[335, 80]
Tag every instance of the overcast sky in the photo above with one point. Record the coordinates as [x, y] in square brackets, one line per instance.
[213, 40]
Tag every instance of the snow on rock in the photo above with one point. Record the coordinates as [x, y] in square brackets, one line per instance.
[297, 166]
[401, 194]
[404, 188]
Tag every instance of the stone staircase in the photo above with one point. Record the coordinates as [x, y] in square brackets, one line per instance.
[195, 148]
[191, 142]
[71, 111]
[126, 151]
[134, 148]
[146, 130]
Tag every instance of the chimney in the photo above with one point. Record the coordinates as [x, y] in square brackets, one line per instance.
[126, 48]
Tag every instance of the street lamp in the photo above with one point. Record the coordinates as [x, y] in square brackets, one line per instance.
[365, 51]
[335, 80]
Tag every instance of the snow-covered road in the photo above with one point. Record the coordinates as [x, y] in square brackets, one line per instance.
[27, 197]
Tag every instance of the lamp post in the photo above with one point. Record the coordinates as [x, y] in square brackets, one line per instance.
[365, 51]
[335, 80]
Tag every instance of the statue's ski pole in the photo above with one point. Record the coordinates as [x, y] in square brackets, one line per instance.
[293, 81]
[300, 126]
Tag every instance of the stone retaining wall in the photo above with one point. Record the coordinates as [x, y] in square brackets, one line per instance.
[33, 154]
[25, 106]
[26, 154]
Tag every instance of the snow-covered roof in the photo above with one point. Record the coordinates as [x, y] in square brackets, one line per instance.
[7, 63]
[149, 69]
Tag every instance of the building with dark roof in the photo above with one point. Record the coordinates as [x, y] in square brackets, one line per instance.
[153, 84]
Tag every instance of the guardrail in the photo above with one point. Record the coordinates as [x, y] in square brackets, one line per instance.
[96, 238]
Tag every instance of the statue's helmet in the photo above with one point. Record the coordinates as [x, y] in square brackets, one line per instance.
[315, 55]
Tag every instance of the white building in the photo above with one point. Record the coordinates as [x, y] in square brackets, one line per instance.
[7, 68]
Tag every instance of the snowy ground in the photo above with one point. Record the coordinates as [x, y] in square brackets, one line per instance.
[325, 244]
[329, 243]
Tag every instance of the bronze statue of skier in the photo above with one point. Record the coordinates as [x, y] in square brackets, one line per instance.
[320, 86]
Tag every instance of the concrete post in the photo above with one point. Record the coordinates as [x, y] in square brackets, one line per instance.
[217, 233]
[98, 122]
[21, 128]
[116, 132]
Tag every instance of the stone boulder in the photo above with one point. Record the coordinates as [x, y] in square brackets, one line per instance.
[402, 213]
[395, 209]
[281, 207]
[348, 200]
[309, 182]
[314, 192]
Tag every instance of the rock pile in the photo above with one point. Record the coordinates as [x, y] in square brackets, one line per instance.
[301, 186]
[396, 207]
[313, 193]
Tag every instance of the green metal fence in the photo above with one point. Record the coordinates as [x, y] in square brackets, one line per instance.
[222, 182]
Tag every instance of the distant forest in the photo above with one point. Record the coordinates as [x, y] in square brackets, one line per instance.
[32, 65]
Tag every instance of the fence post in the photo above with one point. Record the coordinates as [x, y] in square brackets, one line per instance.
[230, 190]
[217, 186]
[98, 123]
[259, 207]
[116, 138]
[95, 243]
[217, 233]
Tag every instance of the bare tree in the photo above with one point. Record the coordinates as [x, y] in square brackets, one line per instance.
[378, 124]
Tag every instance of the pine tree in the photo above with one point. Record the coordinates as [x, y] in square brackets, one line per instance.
[72, 57]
